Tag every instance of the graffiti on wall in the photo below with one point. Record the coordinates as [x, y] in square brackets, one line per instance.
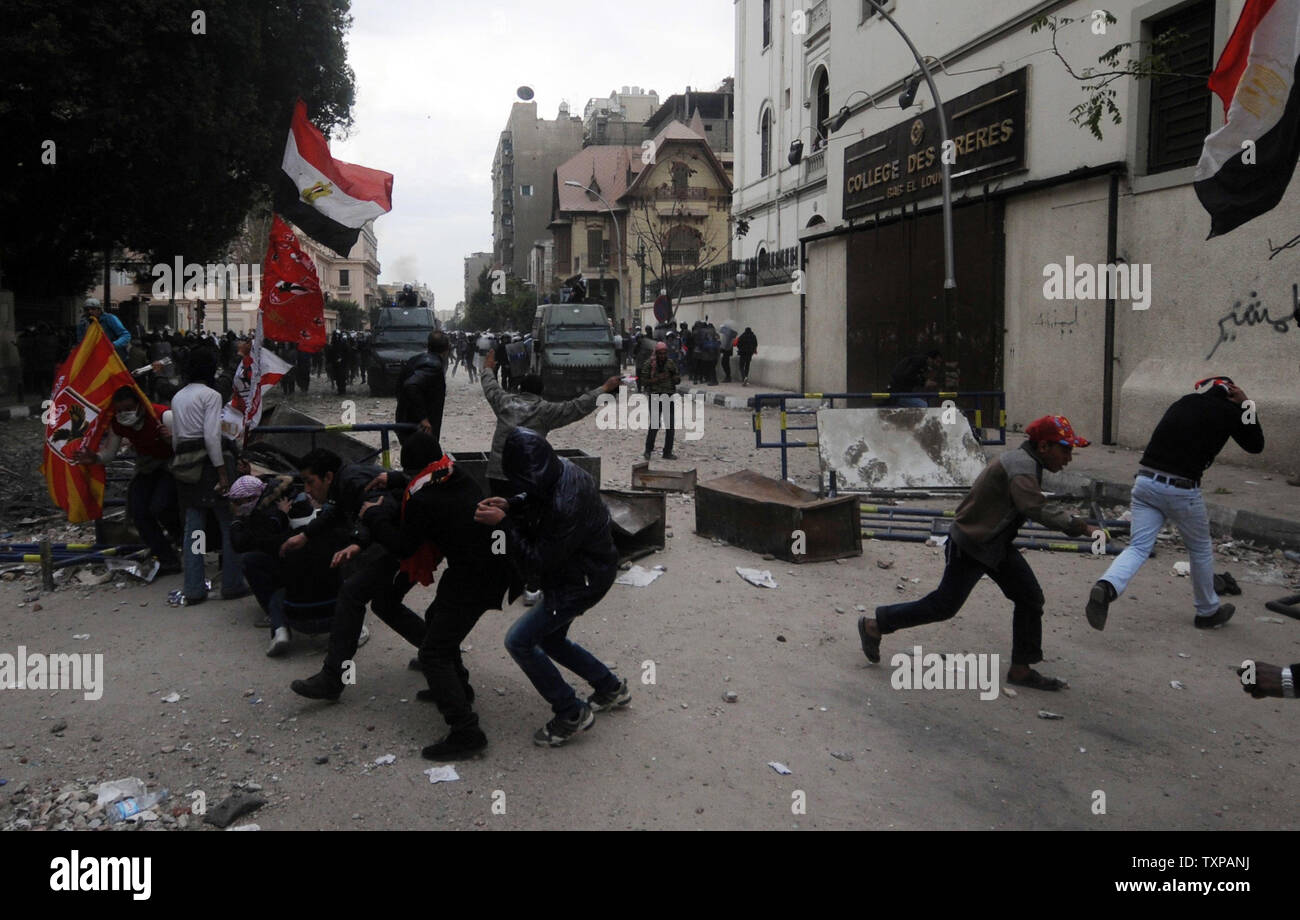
[1253, 313]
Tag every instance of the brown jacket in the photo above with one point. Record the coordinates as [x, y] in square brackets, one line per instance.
[1004, 495]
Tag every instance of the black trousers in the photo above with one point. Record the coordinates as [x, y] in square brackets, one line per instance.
[726, 365]
[1013, 576]
[372, 577]
[656, 420]
[451, 617]
[744, 365]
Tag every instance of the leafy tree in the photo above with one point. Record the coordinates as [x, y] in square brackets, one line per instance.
[137, 125]
[676, 252]
[1140, 60]
[514, 309]
[349, 313]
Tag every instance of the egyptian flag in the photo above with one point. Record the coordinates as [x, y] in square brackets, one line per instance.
[293, 307]
[77, 418]
[327, 199]
[1256, 78]
[260, 370]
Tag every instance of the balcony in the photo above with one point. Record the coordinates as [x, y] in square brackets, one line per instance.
[819, 22]
[665, 193]
[814, 165]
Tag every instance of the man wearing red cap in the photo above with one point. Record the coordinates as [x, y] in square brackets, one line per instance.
[1168, 487]
[1004, 495]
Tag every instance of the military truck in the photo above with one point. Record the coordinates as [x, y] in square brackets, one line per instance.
[573, 348]
[399, 333]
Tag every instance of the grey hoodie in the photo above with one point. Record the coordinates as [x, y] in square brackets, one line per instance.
[528, 410]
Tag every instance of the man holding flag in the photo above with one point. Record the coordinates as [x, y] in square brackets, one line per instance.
[77, 419]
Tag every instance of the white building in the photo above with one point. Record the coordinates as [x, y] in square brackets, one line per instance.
[1033, 191]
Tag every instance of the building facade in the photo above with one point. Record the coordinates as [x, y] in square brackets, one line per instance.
[619, 119]
[475, 263]
[1036, 197]
[528, 151]
[716, 110]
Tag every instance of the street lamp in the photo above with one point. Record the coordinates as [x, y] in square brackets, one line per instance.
[950, 281]
[618, 236]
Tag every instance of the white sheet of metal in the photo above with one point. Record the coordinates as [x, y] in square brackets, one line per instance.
[897, 448]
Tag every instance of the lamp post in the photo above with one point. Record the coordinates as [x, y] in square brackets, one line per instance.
[950, 281]
[618, 236]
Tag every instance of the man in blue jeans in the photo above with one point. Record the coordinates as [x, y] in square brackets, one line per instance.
[1168, 487]
[558, 533]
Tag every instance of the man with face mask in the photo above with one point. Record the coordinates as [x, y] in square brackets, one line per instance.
[151, 496]
[558, 535]
[659, 378]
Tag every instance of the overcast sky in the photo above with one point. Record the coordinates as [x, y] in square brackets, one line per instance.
[435, 82]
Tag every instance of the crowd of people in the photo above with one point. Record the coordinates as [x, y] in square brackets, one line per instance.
[319, 546]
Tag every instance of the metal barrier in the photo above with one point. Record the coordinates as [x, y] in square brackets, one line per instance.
[383, 452]
[975, 414]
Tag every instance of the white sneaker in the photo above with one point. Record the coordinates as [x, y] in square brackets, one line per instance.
[363, 637]
[279, 643]
[532, 597]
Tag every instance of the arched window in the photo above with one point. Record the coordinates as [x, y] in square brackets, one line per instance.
[815, 220]
[762, 257]
[822, 107]
[765, 144]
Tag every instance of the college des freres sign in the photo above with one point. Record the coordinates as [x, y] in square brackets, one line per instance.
[904, 163]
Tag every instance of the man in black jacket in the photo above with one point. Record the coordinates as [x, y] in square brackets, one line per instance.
[1168, 487]
[422, 389]
[372, 574]
[437, 508]
[558, 534]
[747, 345]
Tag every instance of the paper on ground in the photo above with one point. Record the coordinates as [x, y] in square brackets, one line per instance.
[638, 577]
[762, 578]
[445, 774]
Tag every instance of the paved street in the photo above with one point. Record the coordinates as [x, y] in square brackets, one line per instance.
[863, 754]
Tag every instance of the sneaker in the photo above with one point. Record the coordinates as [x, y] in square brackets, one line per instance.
[1216, 619]
[668, 456]
[320, 686]
[279, 643]
[1099, 598]
[363, 637]
[647, 454]
[462, 742]
[532, 597]
[615, 699]
[559, 730]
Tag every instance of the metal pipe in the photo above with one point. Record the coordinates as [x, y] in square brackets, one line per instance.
[950, 280]
[1108, 372]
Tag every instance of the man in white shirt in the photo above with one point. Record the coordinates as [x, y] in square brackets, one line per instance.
[195, 423]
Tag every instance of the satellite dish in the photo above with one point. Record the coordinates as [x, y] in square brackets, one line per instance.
[525, 93]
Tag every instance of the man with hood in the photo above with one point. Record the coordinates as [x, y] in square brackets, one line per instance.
[438, 503]
[528, 409]
[747, 346]
[1168, 487]
[558, 534]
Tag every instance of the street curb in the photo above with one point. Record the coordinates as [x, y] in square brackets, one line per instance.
[721, 400]
[1226, 523]
[14, 412]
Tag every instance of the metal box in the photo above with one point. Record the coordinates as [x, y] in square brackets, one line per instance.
[751, 511]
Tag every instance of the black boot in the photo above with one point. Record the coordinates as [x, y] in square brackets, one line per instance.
[320, 686]
[462, 742]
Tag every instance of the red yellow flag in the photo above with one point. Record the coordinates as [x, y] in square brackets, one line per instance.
[293, 306]
[77, 416]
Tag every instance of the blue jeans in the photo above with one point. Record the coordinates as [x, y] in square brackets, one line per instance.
[539, 637]
[1153, 504]
[232, 579]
